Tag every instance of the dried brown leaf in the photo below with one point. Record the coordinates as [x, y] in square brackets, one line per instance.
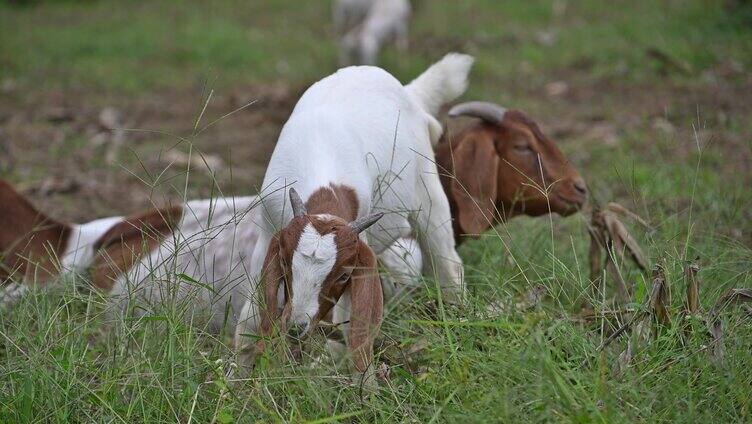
[624, 291]
[624, 242]
[747, 309]
[626, 213]
[659, 299]
[595, 256]
[692, 305]
[609, 234]
[596, 268]
[731, 297]
[716, 331]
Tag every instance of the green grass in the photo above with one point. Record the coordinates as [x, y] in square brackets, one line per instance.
[144, 45]
[63, 360]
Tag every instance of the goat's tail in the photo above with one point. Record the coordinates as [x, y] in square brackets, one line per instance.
[441, 83]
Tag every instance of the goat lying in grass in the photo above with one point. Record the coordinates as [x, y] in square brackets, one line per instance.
[499, 167]
[36, 248]
[197, 253]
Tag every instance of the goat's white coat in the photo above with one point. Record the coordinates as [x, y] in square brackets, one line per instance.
[202, 265]
[403, 262]
[79, 251]
[359, 127]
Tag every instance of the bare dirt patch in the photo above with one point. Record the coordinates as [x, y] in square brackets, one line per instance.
[61, 149]
[58, 146]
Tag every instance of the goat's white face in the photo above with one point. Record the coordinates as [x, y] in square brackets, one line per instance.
[312, 262]
[309, 265]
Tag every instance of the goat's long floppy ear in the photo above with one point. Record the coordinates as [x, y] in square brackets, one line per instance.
[123, 245]
[272, 277]
[476, 166]
[366, 308]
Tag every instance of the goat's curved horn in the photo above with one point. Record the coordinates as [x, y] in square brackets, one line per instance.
[489, 112]
[298, 208]
[361, 224]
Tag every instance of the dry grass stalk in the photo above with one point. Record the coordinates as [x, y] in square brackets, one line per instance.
[609, 234]
[729, 298]
[623, 361]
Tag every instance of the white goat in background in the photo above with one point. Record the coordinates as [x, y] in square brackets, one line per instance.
[365, 25]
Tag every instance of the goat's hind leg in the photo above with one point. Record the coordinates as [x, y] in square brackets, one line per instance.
[433, 222]
[403, 264]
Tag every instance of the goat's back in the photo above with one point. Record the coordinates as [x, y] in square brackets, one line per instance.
[353, 128]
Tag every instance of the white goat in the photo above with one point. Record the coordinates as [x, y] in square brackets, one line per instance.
[364, 25]
[358, 143]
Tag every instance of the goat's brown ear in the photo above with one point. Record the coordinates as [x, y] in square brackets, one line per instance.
[366, 308]
[272, 277]
[118, 249]
[30, 241]
[473, 188]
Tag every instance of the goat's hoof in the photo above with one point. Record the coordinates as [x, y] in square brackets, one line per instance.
[366, 382]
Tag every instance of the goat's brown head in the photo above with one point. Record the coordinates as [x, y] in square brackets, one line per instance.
[310, 264]
[505, 166]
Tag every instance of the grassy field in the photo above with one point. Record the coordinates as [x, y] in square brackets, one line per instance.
[650, 99]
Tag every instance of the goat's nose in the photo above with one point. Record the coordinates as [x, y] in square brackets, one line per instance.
[579, 185]
[296, 330]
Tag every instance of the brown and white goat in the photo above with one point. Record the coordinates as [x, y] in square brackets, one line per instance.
[504, 166]
[310, 264]
[499, 167]
[138, 260]
[35, 248]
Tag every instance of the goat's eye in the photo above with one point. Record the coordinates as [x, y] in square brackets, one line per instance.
[523, 148]
[344, 278]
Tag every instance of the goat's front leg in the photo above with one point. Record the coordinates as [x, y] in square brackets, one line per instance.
[401, 36]
[363, 373]
[245, 343]
[340, 316]
[436, 237]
